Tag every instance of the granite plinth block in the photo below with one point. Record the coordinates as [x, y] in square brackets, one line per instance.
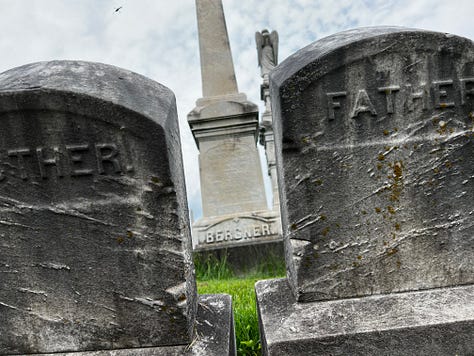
[214, 334]
[431, 323]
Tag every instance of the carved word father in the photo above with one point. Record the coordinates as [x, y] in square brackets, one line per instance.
[73, 160]
[443, 93]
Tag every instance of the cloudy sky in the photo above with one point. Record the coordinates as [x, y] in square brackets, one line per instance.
[158, 38]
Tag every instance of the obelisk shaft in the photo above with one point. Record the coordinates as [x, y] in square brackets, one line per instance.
[217, 68]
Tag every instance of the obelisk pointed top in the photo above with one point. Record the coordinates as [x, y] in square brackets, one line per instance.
[217, 68]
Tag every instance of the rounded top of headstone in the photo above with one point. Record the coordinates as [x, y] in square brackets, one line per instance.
[101, 81]
[349, 46]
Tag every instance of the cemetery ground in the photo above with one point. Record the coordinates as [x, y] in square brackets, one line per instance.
[216, 276]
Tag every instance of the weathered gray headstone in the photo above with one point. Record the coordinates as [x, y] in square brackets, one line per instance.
[376, 131]
[374, 134]
[94, 233]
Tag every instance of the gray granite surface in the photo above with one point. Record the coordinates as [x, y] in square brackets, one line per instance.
[95, 242]
[429, 323]
[374, 134]
[214, 334]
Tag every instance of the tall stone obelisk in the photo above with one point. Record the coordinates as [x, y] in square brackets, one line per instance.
[225, 126]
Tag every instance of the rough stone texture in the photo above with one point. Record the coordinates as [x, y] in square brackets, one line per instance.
[374, 136]
[94, 236]
[214, 334]
[429, 323]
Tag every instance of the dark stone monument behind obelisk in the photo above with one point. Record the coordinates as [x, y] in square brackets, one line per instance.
[374, 138]
[95, 247]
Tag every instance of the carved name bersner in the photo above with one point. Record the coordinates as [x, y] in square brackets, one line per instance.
[237, 233]
[235, 229]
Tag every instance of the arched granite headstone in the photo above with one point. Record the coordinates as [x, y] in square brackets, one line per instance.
[374, 137]
[94, 232]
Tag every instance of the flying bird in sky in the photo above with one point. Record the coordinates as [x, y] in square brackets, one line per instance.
[118, 9]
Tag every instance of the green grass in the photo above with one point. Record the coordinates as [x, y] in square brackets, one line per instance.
[211, 268]
[215, 277]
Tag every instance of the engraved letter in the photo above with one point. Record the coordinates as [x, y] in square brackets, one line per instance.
[465, 93]
[76, 158]
[209, 237]
[334, 104]
[238, 234]
[265, 230]
[20, 154]
[228, 235]
[219, 235]
[248, 234]
[256, 231]
[441, 93]
[389, 95]
[55, 161]
[110, 157]
[412, 96]
[362, 104]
